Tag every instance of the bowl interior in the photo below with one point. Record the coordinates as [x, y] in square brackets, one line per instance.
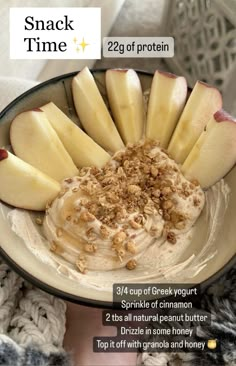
[58, 90]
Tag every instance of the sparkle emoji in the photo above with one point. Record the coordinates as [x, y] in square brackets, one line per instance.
[212, 344]
[83, 44]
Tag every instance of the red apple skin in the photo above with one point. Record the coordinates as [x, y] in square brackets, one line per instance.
[3, 154]
[121, 70]
[168, 74]
[221, 116]
[36, 110]
[205, 84]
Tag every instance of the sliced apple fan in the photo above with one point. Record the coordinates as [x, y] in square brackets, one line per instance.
[196, 133]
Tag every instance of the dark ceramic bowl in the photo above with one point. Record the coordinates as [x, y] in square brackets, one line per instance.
[15, 252]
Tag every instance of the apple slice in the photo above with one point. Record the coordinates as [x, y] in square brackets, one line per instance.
[34, 140]
[166, 102]
[93, 112]
[214, 153]
[23, 186]
[83, 150]
[125, 97]
[203, 102]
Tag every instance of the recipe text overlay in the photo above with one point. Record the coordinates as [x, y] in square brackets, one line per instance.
[138, 47]
[55, 33]
[155, 318]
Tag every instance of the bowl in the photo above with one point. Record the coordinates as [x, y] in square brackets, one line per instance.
[15, 252]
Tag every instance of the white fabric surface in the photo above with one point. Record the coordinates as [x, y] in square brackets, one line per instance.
[28, 315]
[10, 88]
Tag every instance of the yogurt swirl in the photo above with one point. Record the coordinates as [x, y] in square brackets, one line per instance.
[107, 218]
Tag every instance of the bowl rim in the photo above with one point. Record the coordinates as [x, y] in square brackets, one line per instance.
[51, 289]
[55, 80]
[97, 303]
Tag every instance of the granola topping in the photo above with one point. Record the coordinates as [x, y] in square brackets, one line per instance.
[114, 213]
[131, 264]
[39, 221]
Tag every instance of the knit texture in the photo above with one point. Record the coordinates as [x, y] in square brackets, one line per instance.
[32, 324]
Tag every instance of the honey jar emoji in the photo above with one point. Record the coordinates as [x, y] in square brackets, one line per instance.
[212, 344]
